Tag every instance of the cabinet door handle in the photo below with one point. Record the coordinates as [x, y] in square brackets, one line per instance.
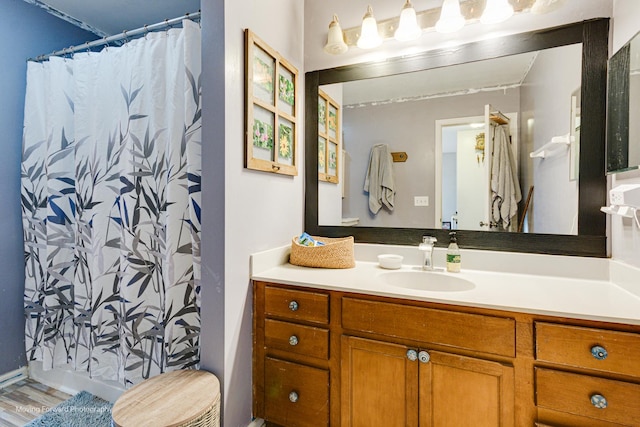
[412, 355]
[293, 397]
[293, 340]
[293, 306]
[599, 352]
[599, 401]
[424, 356]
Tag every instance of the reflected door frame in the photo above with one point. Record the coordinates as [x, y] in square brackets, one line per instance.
[438, 152]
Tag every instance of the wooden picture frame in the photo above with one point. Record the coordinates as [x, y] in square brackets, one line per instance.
[329, 144]
[271, 118]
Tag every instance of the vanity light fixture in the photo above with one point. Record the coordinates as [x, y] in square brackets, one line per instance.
[496, 11]
[369, 36]
[411, 24]
[451, 19]
[408, 28]
[335, 39]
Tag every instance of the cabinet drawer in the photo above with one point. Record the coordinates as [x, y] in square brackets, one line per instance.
[296, 395]
[488, 334]
[297, 305]
[573, 394]
[599, 349]
[296, 338]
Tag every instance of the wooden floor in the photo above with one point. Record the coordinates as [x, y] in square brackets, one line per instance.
[25, 401]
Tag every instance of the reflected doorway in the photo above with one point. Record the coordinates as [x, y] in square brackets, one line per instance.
[463, 169]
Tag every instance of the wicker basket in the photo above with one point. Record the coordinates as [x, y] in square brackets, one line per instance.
[336, 253]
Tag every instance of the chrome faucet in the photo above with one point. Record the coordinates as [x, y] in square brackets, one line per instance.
[427, 248]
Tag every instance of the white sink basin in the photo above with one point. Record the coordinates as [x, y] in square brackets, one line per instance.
[427, 281]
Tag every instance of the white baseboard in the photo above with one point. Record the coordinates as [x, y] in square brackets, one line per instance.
[13, 377]
[257, 422]
[72, 382]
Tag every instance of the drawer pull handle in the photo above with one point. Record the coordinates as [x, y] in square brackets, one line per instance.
[412, 355]
[293, 306]
[599, 401]
[293, 340]
[599, 352]
[424, 357]
[293, 397]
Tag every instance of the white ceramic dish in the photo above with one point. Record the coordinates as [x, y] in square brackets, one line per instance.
[390, 261]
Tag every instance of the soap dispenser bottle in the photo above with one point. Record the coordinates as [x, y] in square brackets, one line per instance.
[453, 255]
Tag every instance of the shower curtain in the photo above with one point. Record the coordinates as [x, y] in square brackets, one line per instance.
[111, 208]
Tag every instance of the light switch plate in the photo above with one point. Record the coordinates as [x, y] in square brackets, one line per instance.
[421, 201]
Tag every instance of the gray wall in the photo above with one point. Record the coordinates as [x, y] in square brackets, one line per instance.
[244, 211]
[410, 127]
[25, 31]
[213, 190]
[546, 98]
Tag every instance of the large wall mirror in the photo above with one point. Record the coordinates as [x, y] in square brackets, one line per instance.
[502, 140]
[623, 142]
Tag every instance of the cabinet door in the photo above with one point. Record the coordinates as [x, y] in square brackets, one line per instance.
[379, 384]
[462, 391]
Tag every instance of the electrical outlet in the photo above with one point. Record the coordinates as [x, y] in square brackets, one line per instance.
[625, 194]
[421, 201]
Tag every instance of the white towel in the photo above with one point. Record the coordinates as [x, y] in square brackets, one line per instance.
[379, 179]
[505, 186]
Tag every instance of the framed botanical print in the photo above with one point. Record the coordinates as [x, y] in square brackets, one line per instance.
[329, 147]
[271, 128]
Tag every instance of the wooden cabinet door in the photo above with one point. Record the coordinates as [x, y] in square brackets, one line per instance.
[379, 384]
[462, 391]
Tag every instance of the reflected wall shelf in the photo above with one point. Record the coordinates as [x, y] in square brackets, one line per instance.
[552, 147]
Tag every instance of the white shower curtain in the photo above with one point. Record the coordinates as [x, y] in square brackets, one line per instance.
[111, 208]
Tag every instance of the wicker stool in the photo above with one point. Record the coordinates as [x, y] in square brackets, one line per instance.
[186, 398]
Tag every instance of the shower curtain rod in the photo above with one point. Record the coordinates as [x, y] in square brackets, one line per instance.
[123, 35]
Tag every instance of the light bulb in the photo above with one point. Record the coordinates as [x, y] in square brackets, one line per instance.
[496, 11]
[408, 28]
[335, 38]
[450, 17]
[369, 37]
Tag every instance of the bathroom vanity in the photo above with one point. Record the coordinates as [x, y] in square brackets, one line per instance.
[355, 348]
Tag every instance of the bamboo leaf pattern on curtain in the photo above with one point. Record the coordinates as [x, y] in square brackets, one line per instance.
[111, 208]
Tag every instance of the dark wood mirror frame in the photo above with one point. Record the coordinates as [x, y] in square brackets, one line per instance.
[591, 239]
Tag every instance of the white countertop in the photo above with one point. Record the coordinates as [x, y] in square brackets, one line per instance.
[581, 297]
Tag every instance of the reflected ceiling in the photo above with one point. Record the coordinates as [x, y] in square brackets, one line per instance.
[465, 78]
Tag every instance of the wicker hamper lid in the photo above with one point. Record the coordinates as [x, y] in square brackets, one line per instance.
[179, 398]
